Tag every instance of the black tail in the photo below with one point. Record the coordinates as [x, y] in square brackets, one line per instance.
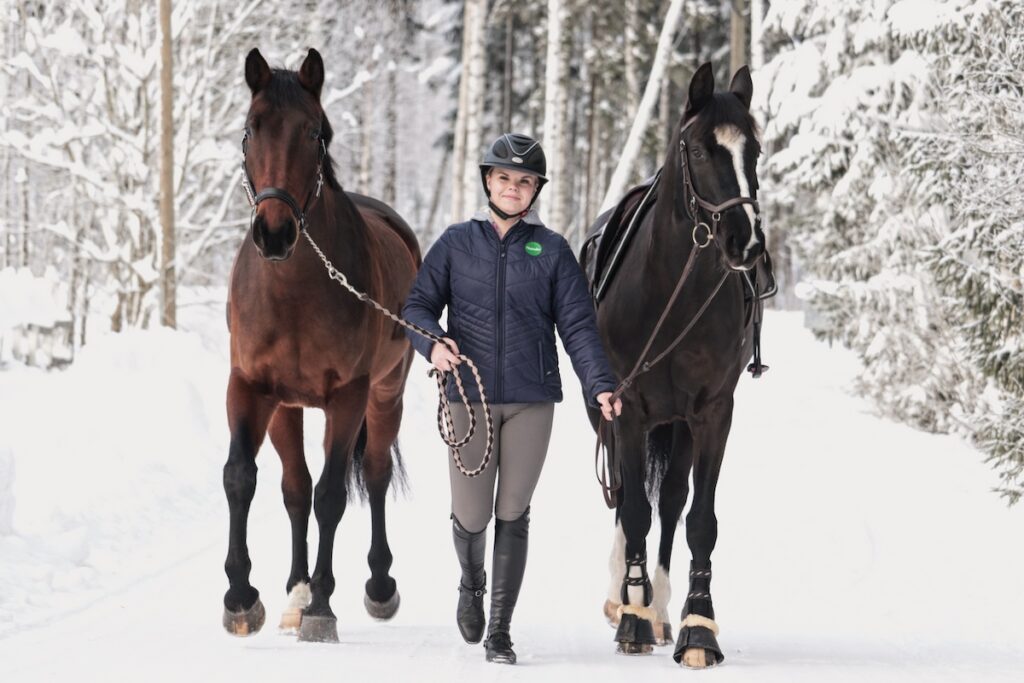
[659, 453]
[356, 482]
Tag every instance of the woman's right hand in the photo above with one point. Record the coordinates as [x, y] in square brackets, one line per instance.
[444, 356]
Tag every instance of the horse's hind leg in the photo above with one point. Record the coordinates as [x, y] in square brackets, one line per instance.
[671, 500]
[297, 487]
[383, 417]
[248, 415]
[345, 411]
[635, 634]
[697, 645]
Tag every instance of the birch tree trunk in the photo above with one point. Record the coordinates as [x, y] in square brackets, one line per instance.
[756, 31]
[631, 151]
[391, 137]
[554, 115]
[738, 36]
[459, 148]
[630, 38]
[168, 276]
[475, 97]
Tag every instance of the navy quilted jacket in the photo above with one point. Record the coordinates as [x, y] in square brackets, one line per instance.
[505, 297]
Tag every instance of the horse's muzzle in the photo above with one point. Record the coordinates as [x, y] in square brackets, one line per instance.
[741, 251]
[274, 244]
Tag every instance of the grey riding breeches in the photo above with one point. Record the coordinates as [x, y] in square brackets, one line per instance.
[521, 435]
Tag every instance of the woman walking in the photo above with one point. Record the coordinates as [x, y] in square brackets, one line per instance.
[508, 282]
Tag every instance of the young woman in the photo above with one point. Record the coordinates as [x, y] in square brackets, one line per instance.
[508, 282]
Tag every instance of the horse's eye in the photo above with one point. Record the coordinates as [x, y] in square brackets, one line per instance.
[698, 153]
[314, 134]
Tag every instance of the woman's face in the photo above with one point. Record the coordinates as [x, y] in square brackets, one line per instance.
[512, 191]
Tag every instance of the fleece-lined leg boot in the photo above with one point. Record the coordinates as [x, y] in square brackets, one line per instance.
[510, 544]
[470, 548]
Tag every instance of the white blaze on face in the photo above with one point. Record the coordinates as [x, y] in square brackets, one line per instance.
[732, 139]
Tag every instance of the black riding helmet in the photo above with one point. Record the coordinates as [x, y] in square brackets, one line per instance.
[519, 153]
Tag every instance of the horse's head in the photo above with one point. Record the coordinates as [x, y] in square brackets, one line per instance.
[718, 146]
[285, 150]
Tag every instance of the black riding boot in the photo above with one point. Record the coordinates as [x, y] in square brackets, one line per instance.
[470, 548]
[510, 542]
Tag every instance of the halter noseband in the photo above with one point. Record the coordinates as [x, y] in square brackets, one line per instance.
[695, 202]
[280, 193]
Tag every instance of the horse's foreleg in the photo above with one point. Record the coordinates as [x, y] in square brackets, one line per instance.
[635, 634]
[697, 645]
[383, 418]
[672, 496]
[248, 414]
[297, 488]
[345, 411]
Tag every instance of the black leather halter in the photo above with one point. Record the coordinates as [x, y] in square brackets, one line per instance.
[280, 193]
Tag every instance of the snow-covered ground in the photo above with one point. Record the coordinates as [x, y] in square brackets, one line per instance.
[850, 547]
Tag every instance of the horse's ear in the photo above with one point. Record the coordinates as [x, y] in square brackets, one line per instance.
[742, 87]
[702, 88]
[257, 71]
[311, 73]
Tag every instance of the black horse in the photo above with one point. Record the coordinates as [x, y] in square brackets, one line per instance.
[676, 416]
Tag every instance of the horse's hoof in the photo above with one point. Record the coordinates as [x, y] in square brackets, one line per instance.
[697, 647]
[635, 635]
[318, 629]
[245, 622]
[382, 610]
[291, 620]
[663, 634]
[611, 612]
[698, 658]
[634, 649]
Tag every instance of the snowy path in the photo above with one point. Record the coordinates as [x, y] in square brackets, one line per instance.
[849, 547]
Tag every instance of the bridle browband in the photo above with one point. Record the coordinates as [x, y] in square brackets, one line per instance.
[280, 193]
[694, 202]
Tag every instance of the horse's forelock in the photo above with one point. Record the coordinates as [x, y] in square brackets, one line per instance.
[285, 91]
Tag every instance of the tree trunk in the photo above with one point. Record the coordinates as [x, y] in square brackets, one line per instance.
[476, 95]
[458, 208]
[435, 202]
[632, 67]
[366, 137]
[391, 138]
[738, 36]
[554, 115]
[617, 185]
[168, 275]
[506, 92]
[757, 29]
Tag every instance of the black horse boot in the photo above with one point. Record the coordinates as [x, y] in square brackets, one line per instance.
[510, 543]
[470, 548]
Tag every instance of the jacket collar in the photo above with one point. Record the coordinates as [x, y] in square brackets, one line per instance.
[531, 217]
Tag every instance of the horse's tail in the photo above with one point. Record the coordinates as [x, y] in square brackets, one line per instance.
[659, 452]
[356, 481]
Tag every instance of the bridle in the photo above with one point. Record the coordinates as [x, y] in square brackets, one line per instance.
[694, 202]
[280, 193]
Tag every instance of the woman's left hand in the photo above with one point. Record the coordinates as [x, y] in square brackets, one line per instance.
[604, 399]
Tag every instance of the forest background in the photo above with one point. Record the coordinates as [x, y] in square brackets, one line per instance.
[893, 136]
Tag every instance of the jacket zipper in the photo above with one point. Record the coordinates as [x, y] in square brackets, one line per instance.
[500, 321]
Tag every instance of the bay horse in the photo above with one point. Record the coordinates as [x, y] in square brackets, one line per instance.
[299, 341]
[676, 417]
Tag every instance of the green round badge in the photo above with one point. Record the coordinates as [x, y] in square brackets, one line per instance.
[533, 248]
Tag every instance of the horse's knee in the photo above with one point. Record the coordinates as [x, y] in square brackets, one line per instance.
[329, 502]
